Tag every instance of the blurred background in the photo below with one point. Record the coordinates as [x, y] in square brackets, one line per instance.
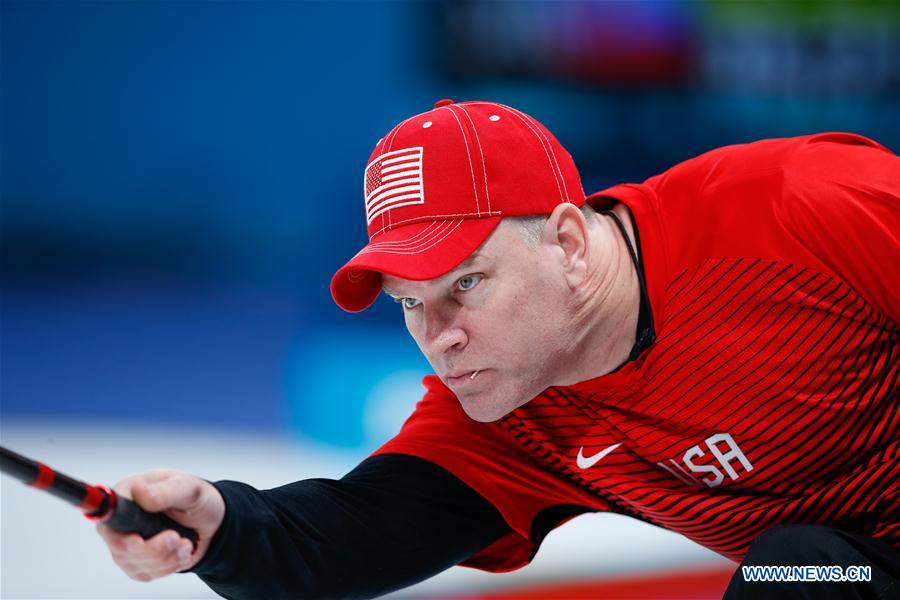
[180, 180]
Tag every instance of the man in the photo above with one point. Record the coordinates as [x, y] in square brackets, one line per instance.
[713, 351]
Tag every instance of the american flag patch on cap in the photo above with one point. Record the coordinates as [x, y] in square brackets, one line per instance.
[392, 180]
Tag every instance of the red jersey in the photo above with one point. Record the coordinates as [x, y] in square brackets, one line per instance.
[770, 393]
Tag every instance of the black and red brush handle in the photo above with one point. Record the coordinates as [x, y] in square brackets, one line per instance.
[97, 502]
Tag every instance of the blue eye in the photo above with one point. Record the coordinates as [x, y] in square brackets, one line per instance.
[468, 282]
[408, 303]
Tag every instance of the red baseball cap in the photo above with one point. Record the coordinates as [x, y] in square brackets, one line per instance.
[439, 183]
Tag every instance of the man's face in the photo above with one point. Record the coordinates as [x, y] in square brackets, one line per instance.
[500, 315]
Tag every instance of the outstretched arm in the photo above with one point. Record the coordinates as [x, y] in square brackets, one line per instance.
[392, 521]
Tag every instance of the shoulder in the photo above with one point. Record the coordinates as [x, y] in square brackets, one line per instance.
[773, 163]
[830, 202]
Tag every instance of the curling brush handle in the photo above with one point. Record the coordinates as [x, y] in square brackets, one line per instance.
[128, 517]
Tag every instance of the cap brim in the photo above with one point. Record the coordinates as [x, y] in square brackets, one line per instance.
[418, 252]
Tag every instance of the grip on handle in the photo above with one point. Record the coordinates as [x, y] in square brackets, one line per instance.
[128, 517]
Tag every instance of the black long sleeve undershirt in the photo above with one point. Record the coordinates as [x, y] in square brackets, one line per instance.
[391, 522]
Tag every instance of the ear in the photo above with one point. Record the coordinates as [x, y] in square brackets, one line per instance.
[566, 232]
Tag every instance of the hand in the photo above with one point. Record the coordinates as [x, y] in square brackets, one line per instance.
[191, 501]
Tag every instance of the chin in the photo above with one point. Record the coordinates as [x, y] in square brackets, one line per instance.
[484, 410]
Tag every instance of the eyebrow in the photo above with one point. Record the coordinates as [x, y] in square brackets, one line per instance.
[460, 267]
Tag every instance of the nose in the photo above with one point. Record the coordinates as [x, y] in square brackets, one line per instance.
[443, 333]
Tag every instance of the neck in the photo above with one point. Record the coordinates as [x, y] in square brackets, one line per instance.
[607, 315]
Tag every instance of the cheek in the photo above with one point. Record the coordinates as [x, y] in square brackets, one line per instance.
[527, 319]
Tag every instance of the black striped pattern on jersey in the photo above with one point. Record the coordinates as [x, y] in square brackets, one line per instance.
[793, 366]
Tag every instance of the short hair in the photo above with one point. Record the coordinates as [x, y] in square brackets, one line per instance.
[532, 226]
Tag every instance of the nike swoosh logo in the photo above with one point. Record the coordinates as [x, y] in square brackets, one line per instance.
[589, 461]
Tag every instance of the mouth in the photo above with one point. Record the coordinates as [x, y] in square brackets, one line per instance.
[462, 377]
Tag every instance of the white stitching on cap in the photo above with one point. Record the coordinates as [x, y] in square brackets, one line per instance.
[487, 191]
[425, 248]
[420, 239]
[540, 139]
[543, 135]
[466, 144]
[420, 234]
[393, 133]
[428, 247]
[414, 242]
[431, 245]
[551, 159]
[495, 213]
